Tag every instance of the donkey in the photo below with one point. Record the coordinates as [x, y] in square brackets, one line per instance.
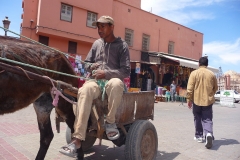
[17, 92]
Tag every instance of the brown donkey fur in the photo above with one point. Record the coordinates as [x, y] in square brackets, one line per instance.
[17, 92]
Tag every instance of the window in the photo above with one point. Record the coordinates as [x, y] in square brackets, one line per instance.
[129, 36]
[171, 47]
[91, 17]
[44, 40]
[72, 47]
[66, 13]
[145, 42]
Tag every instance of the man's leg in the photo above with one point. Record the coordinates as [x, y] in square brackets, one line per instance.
[207, 115]
[174, 98]
[86, 94]
[172, 95]
[114, 90]
[197, 121]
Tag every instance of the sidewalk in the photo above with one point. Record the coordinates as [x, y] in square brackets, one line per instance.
[19, 136]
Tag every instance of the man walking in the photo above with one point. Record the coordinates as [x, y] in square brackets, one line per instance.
[202, 86]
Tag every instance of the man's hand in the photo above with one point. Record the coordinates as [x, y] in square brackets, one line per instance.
[190, 105]
[99, 74]
[94, 66]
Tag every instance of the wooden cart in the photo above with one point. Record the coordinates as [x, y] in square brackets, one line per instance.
[137, 133]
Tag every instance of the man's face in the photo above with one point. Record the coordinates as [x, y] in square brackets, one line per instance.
[104, 30]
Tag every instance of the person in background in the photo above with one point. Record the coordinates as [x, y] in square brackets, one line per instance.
[173, 87]
[109, 62]
[201, 87]
[167, 95]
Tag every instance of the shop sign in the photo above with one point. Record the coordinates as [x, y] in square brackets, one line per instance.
[227, 98]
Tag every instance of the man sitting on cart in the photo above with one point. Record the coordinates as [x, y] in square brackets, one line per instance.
[109, 62]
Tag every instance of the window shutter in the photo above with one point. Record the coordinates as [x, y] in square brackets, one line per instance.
[145, 42]
[72, 47]
[91, 17]
[44, 40]
[66, 12]
[129, 36]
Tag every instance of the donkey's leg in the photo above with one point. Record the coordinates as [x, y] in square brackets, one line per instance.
[43, 107]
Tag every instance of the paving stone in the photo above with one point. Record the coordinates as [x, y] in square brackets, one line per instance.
[19, 136]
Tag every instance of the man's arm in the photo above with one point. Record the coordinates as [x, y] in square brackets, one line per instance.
[90, 59]
[190, 87]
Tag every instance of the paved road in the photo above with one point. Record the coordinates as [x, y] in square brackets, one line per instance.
[19, 136]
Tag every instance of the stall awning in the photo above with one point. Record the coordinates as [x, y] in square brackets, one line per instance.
[144, 62]
[150, 58]
[188, 63]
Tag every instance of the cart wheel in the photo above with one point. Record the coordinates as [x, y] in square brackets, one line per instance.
[86, 145]
[142, 141]
[235, 101]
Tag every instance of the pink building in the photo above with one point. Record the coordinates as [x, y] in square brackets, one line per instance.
[229, 81]
[67, 26]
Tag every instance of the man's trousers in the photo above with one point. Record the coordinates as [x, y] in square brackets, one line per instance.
[203, 120]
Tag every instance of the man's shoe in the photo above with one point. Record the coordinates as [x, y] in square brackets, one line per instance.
[199, 140]
[209, 141]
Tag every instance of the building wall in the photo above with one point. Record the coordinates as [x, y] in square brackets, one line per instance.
[231, 83]
[51, 18]
[134, 3]
[29, 16]
[161, 31]
[127, 14]
[234, 79]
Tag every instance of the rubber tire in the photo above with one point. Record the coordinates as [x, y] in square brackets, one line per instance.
[235, 101]
[86, 145]
[141, 130]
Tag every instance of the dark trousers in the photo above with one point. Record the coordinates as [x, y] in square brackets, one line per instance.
[203, 120]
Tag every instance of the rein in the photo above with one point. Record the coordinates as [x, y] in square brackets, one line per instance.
[25, 73]
[58, 93]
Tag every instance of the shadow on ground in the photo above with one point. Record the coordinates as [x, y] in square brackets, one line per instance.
[104, 152]
[223, 142]
[164, 155]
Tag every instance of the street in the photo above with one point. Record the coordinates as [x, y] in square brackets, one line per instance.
[19, 136]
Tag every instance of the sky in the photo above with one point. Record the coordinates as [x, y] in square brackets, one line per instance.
[218, 20]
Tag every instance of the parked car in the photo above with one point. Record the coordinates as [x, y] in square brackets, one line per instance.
[236, 95]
